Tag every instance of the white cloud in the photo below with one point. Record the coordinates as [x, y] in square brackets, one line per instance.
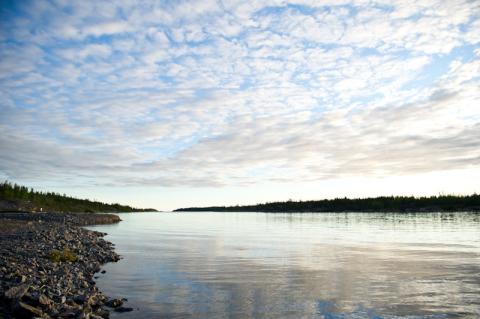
[106, 28]
[198, 93]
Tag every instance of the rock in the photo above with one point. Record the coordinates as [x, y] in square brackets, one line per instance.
[23, 310]
[44, 300]
[17, 292]
[93, 301]
[31, 298]
[123, 309]
[80, 299]
[68, 314]
[103, 313]
[114, 303]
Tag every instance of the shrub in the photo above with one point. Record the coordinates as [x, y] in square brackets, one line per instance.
[59, 256]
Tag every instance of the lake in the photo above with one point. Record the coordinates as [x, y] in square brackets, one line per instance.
[306, 265]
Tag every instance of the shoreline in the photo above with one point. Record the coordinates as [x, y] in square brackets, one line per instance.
[381, 204]
[48, 262]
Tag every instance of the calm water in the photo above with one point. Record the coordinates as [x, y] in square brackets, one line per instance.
[255, 265]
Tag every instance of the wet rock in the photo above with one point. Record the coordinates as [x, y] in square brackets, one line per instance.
[123, 309]
[103, 313]
[114, 303]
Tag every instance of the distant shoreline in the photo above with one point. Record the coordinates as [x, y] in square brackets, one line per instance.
[15, 197]
[394, 204]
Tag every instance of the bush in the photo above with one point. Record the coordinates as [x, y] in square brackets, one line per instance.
[59, 256]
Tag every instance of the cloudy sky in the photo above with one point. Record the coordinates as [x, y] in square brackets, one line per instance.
[174, 103]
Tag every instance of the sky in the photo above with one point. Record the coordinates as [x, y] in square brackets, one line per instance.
[171, 104]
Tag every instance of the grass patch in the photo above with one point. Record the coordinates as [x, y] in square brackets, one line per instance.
[62, 256]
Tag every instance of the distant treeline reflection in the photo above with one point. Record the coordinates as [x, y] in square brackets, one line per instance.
[15, 197]
[442, 203]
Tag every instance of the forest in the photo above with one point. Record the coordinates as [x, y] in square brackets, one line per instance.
[442, 203]
[15, 197]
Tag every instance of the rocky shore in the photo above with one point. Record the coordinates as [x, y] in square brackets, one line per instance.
[48, 263]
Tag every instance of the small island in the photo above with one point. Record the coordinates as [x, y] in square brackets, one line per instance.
[443, 203]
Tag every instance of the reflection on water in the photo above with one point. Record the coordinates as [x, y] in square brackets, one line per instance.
[256, 265]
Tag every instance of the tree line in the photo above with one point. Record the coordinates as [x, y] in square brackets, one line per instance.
[442, 203]
[17, 197]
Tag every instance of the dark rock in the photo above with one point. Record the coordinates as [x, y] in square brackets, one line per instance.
[80, 299]
[68, 314]
[103, 313]
[114, 303]
[31, 298]
[123, 309]
[23, 310]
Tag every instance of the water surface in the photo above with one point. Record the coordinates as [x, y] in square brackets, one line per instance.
[257, 265]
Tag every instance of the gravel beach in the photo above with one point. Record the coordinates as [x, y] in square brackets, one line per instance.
[48, 263]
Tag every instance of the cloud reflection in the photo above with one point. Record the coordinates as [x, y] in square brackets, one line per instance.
[297, 266]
